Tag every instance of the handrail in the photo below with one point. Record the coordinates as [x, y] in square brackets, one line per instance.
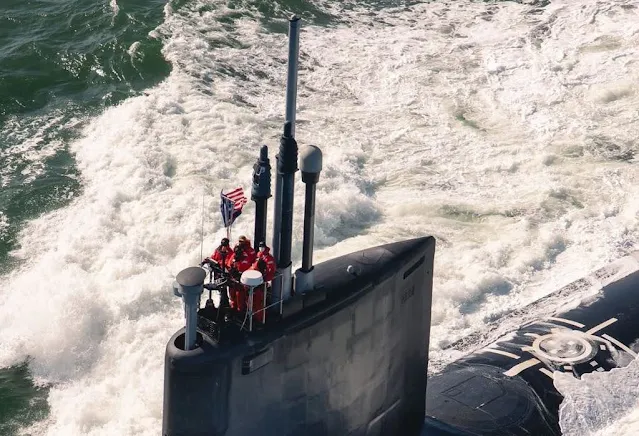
[249, 312]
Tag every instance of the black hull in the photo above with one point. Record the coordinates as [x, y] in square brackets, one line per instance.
[507, 388]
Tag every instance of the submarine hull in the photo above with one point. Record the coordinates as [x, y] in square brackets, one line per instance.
[348, 357]
[507, 388]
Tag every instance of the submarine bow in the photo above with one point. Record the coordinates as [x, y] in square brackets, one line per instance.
[507, 387]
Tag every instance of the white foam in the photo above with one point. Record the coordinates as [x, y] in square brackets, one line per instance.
[434, 119]
[4, 225]
[32, 142]
[133, 49]
[114, 7]
[600, 404]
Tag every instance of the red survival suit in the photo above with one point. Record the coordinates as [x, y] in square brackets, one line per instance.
[265, 264]
[221, 256]
[237, 263]
[271, 267]
[245, 244]
[258, 292]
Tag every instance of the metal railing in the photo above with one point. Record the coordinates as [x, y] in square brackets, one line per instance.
[249, 312]
[222, 283]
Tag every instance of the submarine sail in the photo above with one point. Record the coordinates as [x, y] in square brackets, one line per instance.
[339, 348]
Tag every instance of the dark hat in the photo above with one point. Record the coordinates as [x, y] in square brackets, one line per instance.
[225, 242]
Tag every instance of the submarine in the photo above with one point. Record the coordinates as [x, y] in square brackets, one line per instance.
[341, 347]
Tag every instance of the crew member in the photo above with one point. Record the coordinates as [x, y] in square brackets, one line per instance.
[221, 254]
[237, 263]
[245, 244]
[264, 253]
[259, 291]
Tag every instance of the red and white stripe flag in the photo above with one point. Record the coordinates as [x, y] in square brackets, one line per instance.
[231, 205]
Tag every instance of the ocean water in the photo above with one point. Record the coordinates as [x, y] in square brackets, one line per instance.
[506, 130]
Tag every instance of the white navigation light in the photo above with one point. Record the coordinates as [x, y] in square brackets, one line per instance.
[251, 278]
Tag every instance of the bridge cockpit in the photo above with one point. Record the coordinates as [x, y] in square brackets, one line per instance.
[237, 303]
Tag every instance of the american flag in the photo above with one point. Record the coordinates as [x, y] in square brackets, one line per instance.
[231, 205]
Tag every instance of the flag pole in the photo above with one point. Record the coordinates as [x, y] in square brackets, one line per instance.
[229, 228]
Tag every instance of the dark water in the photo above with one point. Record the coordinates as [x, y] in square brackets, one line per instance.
[20, 402]
[61, 61]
